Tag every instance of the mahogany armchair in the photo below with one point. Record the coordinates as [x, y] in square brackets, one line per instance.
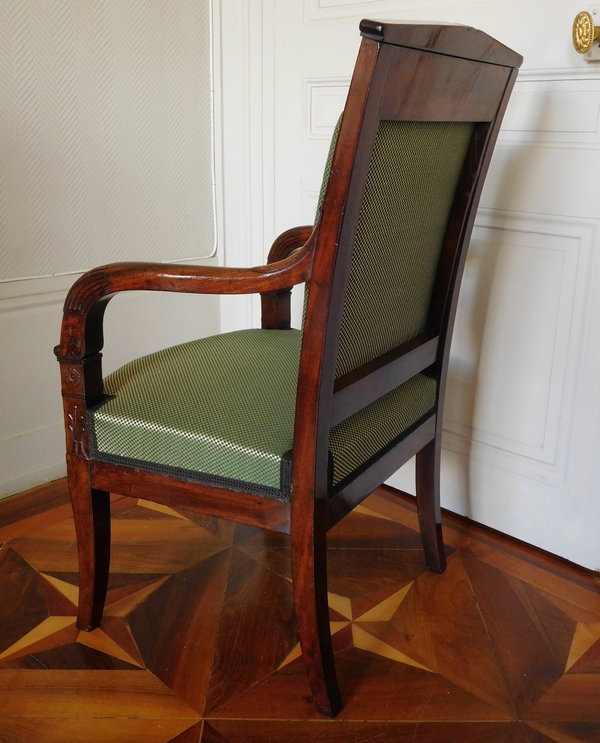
[286, 429]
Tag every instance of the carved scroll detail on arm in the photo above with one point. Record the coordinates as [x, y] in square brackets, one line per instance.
[84, 292]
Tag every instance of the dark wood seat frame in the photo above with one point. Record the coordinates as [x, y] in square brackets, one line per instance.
[403, 72]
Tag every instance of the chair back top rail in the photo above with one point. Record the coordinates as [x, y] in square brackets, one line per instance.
[444, 38]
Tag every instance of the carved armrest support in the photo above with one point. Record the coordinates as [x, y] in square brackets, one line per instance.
[81, 334]
[276, 305]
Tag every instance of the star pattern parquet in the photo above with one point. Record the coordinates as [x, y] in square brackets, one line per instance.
[199, 642]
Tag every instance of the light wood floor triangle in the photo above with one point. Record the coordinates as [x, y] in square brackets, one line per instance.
[384, 611]
[364, 641]
[45, 630]
[586, 635]
[67, 589]
[99, 640]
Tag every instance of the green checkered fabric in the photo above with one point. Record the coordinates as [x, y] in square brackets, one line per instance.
[220, 410]
[366, 434]
[412, 177]
[221, 406]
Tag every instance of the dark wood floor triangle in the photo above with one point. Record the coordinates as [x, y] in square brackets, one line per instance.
[528, 632]
[373, 688]
[254, 636]
[566, 732]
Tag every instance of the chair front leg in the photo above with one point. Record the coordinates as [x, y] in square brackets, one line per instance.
[428, 504]
[309, 570]
[91, 512]
[82, 387]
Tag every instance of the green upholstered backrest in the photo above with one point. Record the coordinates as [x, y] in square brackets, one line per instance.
[412, 177]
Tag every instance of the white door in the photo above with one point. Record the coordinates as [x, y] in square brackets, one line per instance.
[522, 415]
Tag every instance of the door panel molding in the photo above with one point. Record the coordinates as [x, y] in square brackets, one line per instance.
[548, 259]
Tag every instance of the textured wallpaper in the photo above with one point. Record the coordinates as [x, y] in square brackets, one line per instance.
[105, 133]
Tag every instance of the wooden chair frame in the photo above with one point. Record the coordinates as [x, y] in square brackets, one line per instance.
[401, 74]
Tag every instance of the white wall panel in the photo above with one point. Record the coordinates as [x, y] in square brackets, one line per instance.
[106, 153]
[553, 111]
[136, 323]
[519, 341]
[105, 133]
[324, 101]
[556, 111]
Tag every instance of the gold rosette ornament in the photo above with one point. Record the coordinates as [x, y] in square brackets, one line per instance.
[584, 32]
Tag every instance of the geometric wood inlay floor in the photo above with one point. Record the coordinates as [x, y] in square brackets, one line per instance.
[198, 640]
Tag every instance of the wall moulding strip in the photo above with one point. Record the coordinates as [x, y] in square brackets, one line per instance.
[324, 10]
[465, 446]
[512, 140]
[324, 100]
[17, 304]
[20, 293]
[589, 72]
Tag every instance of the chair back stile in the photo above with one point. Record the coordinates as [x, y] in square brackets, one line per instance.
[308, 506]
[312, 406]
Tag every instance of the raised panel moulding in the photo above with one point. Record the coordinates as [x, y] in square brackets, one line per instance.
[554, 112]
[323, 4]
[324, 101]
[516, 354]
[558, 74]
[323, 10]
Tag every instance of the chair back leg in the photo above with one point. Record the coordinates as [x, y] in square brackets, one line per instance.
[309, 571]
[91, 512]
[428, 504]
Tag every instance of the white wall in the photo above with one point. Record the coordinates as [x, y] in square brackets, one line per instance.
[105, 154]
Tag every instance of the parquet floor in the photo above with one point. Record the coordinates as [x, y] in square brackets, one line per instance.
[199, 640]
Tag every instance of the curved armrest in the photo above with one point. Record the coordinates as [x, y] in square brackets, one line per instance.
[81, 334]
[289, 241]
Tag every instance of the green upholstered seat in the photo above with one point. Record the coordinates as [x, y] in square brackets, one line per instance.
[220, 410]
